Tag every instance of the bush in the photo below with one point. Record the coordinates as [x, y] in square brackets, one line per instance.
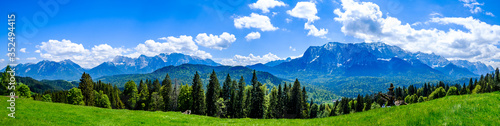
[75, 96]
[438, 93]
[24, 91]
[421, 99]
[46, 98]
[452, 91]
[477, 89]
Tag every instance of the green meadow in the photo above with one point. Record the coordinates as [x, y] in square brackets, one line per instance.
[476, 109]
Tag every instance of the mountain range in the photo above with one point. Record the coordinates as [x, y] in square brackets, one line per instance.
[344, 68]
[68, 70]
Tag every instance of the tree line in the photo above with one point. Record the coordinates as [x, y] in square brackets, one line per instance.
[232, 99]
[235, 99]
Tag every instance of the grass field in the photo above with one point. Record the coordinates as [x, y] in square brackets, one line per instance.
[480, 109]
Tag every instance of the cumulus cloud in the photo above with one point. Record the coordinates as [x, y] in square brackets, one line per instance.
[314, 31]
[2, 60]
[23, 50]
[215, 42]
[307, 10]
[182, 44]
[252, 35]
[239, 60]
[254, 21]
[56, 50]
[265, 5]
[364, 20]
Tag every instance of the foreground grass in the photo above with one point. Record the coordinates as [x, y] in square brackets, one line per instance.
[480, 109]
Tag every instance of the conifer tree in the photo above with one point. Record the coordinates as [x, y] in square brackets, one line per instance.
[296, 101]
[257, 109]
[143, 96]
[240, 103]
[166, 89]
[86, 85]
[272, 110]
[198, 96]
[359, 104]
[213, 91]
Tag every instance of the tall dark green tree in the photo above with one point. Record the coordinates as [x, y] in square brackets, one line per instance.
[239, 90]
[87, 86]
[359, 103]
[213, 91]
[156, 86]
[280, 104]
[272, 111]
[231, 110]
[198, 96]
[225, 94]
[296, 101]
[130, 95]
[166, 89]
[116, 98]
[143, 97]
[257, 109]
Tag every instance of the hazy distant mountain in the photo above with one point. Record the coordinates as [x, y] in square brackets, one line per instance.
[145, 64]
[277, 62]
[370, 59]
[184, 74]
[475, 67]
[68, 70]
[51, 70]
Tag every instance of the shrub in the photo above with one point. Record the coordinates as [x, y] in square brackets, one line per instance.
[46, 98]
[438, 93]
[452, 91]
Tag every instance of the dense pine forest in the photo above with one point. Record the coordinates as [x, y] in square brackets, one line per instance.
[236, 99]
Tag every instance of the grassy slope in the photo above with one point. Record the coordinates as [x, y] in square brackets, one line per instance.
[481, 109]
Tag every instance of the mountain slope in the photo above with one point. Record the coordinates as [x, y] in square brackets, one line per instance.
[184, 74]
[51, 70]
[479, 109]
[68, 70]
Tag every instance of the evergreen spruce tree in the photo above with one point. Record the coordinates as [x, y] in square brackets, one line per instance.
[143, 96]
[198, 96]
[296, 101]
[213, 91]
[166, 89]
[231, 108]
[257, 108]
[117, 100]
[272, 110]
[87, 86]
[240, 103]
[359, 104]
[280, 104]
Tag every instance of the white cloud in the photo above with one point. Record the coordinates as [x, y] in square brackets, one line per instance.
[23, 50]
[364, 20]
[239, 60]
[305, 10]
[254, 21]
[31, 58]
[56, 50]
[252, 35]
[489, 14]
[288, 20]
[182, 44]
[473, 5]
[215, 42]
[2, 60]
[265, 5]
[434, 14]
[314, 31]
[291, 48]
[37, 51]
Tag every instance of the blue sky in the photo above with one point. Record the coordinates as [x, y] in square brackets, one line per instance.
[91, 32]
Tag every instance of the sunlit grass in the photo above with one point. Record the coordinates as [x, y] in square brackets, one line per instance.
[480, 109]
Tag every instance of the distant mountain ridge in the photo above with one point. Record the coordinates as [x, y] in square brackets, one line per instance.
[374, 58]
[68, 70]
